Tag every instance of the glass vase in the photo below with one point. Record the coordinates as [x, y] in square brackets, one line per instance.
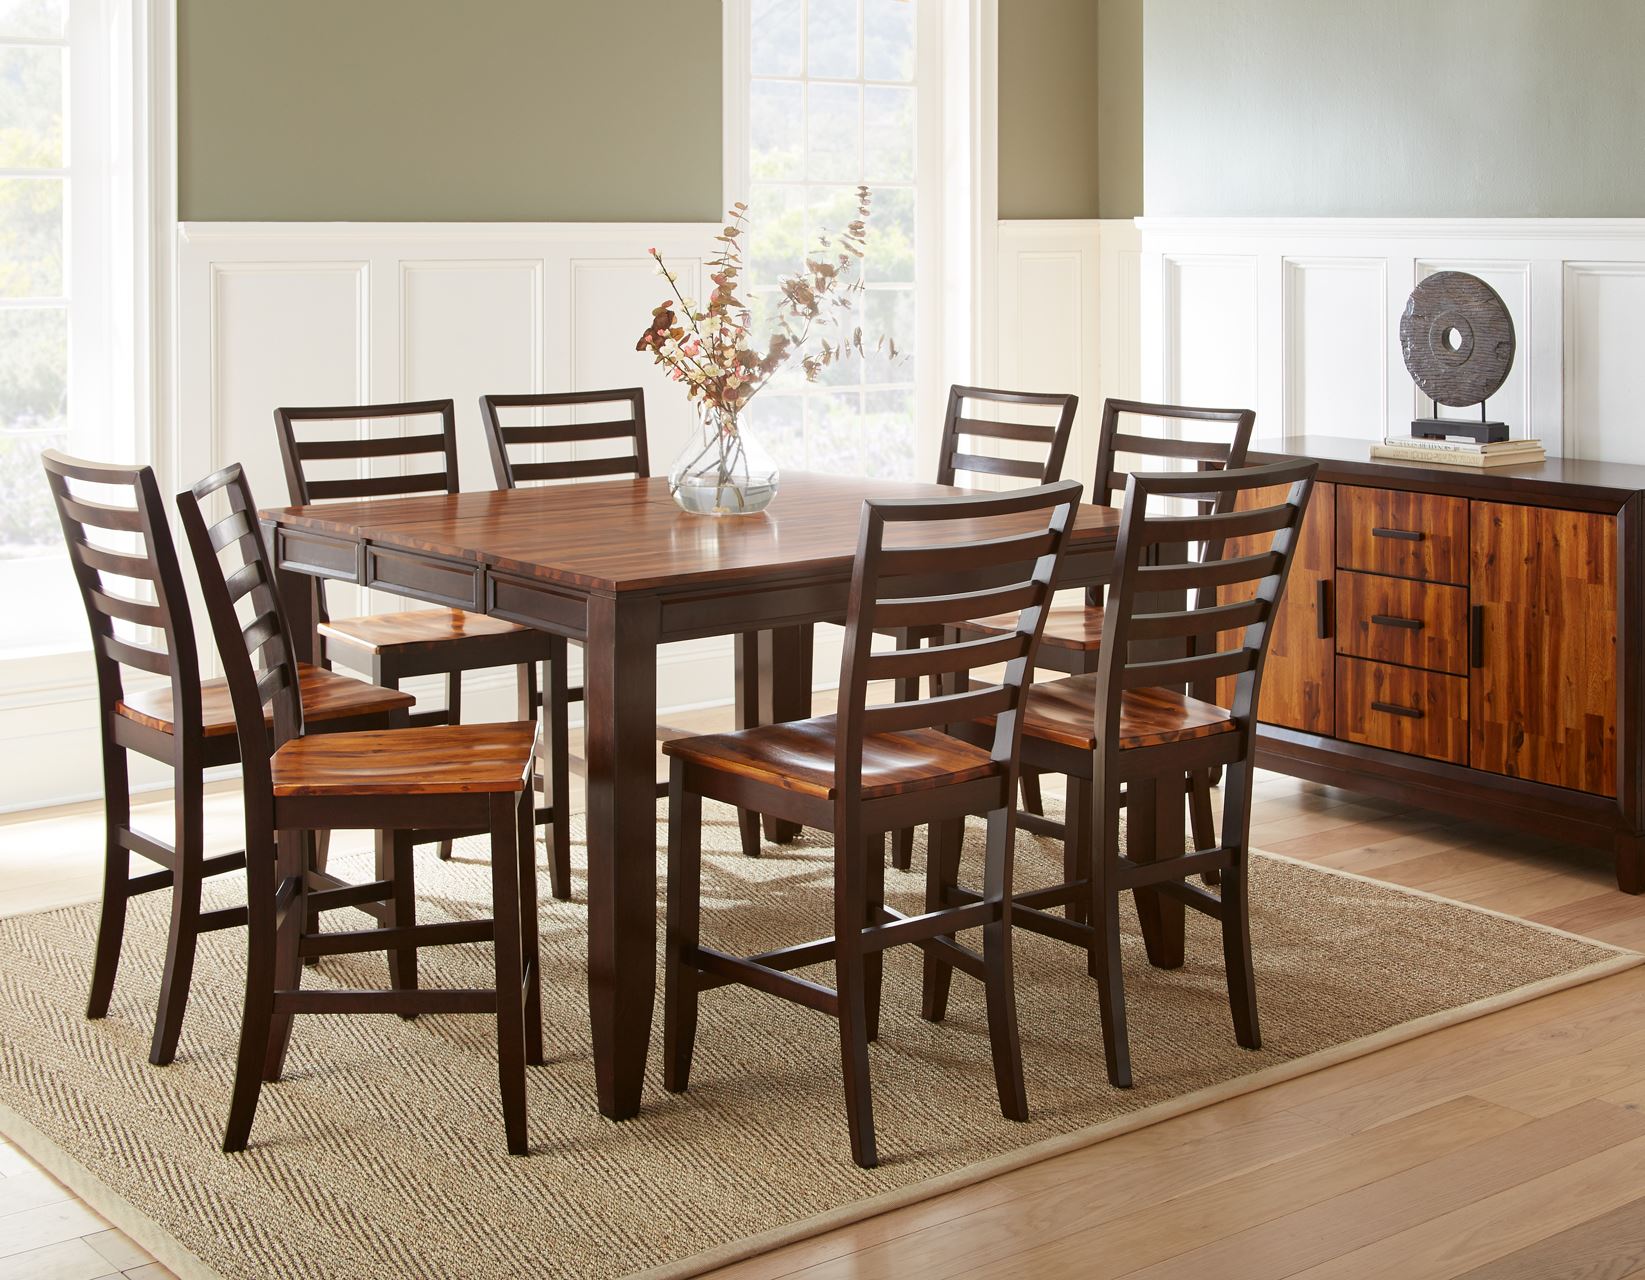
[722, 471]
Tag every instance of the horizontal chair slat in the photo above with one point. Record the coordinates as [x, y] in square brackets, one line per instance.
[1217, 524]
[132, 655]
[1169, 447]
[1020, 548]
[231, 528]
[566, 433]
[1199, 622]
[1019, 467]
[963, 656]
[272, 682]
[576, 468]
[349, 412]
[1032, 431]
[371, 447]
[138, 612]
[1219, 573]
[950, 708]
[929, 611]
[117, 563]
[445, 933]
[260, 631]
[248, 577]
[100, 515]
[378, 486]
[1181, 671]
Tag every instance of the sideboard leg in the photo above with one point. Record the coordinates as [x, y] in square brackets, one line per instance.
[1630, 862]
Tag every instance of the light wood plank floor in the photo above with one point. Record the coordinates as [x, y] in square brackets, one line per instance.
[1512, 1147]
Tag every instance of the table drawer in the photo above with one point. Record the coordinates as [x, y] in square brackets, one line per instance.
[426, 577]
[317, 554]
[1422, 713]
[1416, 624]
[1407, 535]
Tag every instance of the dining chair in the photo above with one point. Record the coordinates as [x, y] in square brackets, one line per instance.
[871, 769]
[1073, 632]
[121, 551]
[392, 647]
[395, 781]
[1128, 725]
[958, 462]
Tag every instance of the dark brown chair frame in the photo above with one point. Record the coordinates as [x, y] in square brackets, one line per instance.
[1229, 639]
[523, 650]
[286, 893]
[187, 748]
[901, 586]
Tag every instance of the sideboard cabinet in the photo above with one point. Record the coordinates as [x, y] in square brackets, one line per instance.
[1468, 642]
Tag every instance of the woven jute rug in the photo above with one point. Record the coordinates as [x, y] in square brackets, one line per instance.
[381, 1153]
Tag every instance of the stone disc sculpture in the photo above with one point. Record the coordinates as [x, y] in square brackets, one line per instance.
[1457, 339]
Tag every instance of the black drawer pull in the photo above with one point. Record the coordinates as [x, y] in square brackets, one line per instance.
[1322, 609]
[1394, 709]
[1388, 620]
[1476, 636]
[1404, 535]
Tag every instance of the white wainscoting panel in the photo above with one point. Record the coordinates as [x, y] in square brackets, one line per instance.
[1299, 318]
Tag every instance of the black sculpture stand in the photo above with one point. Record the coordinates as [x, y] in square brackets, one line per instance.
[1441, 428]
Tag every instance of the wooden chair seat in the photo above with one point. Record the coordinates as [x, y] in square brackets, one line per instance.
[1067, 626]
[378, 633]
[799, 756]
[326, 696]
[445, 759]
[1064, 712]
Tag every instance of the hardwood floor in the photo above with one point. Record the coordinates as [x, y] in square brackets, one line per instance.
[1509, 1148]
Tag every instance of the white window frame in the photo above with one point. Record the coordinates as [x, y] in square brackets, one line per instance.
[956, 201]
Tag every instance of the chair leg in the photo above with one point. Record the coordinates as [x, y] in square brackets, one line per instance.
[1200, 820]
[850, 906]
[1104, 959]
[454, 715]
[111, 922]
[905, 690]
[296, 853]
[256, 1022]
[1236, 912]
[873, 962]
[749, 823]
[1032, 802]
[685, 843]
[999, 979]
[558, 764]
[1076, 844]
[530, 960]
[941, 873]
[505, 910]
[189, 808]
[394, 863]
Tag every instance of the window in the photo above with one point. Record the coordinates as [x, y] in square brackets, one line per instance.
[826, 95]
[62, 383]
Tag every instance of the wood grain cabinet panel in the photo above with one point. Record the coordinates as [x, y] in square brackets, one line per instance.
[1543, 685]
[1300, 673]
[1422, 713]
[1416, 624]
[1401, 533]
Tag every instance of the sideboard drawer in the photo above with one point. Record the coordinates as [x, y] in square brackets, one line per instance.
[1421, 713]
[1416, 624]
[1407, 535]
[429, 578]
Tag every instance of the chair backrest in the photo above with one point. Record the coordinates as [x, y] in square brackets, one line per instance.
[925, 563]
[299, 447]
[620, 425]
[1215, 640]
[121, 549]
[1224, 451]
[237, 578]
[954, 458]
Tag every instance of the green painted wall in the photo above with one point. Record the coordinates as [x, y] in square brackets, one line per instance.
[1397, 108]
[489, 110]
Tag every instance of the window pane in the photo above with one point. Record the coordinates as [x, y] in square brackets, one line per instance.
[833, 430]
[890, 255]
[31, 237]
[888, 434]
[888, 135]
[832, 210]
[833, 124]
[888, 39]
[33, 18]
[776, 130]
[31, 107]
[831, 38]
[776, 241]
[774, 38]
[34, 364]
[888, 317]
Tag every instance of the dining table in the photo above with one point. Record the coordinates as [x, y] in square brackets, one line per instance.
[619, 568]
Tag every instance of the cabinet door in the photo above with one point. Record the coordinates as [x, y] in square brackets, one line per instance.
[1298, 682]
[1542, 689]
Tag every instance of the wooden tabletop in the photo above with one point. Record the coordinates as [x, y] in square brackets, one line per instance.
[627, 535]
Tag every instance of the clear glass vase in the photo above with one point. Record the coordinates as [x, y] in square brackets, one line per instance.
[722, 471]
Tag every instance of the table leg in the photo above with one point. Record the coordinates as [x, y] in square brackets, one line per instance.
[784, 693]
[620, 714]
[297, 594]
[1154, 827]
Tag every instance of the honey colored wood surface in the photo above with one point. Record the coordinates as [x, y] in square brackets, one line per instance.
[1064, 712]
[378, 632]
[1067, 626]
[1440, 732]
[326, 696]
[799, 756]
[1543, 700]
[1299, 676]
[628, 535]
[444, 759]
[1440, 555]
[1372, 607]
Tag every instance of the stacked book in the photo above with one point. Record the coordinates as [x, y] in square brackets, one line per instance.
[1460, 453]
